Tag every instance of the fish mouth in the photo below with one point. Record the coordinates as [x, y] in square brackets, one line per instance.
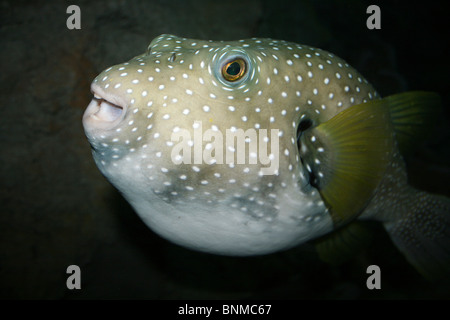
[105, 110]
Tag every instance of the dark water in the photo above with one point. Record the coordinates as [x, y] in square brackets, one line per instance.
[57, 210]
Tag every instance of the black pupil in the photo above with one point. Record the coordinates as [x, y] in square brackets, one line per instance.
[234, 69]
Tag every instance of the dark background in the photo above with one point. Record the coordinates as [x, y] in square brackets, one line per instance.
[56, 209]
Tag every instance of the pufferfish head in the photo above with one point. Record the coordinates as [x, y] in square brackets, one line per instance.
[141, 108]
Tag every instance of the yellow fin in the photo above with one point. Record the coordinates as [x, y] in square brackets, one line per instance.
[344, 243]
[348, 156]
[413, 114]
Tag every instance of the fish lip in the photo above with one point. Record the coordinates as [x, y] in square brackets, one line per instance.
[96, 118]
[108, 96]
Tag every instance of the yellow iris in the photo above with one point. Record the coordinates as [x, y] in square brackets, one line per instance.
[234, 69]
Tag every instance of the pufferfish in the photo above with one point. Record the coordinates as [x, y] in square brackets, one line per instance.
[254, 146]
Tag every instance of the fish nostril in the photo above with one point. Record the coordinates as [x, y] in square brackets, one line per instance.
[173, 57]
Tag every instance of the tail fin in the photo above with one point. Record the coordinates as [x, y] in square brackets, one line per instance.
[422, 234]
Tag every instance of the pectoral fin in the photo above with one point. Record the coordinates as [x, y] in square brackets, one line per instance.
[347, 157]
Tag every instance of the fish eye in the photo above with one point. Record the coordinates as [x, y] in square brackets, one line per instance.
[234, 70]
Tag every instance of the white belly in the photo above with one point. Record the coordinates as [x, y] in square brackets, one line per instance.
[222, 229]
